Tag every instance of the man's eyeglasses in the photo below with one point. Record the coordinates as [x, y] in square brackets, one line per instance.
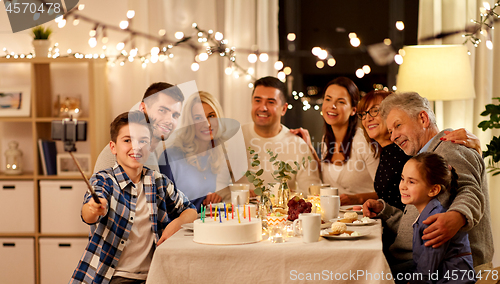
[373, 113]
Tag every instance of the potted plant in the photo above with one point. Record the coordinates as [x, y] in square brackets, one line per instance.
[281, 175]
[41, 41]
[493, 149]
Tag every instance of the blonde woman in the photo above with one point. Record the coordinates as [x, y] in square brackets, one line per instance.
[196, 160]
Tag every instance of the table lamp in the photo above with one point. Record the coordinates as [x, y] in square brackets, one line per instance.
[438, 73]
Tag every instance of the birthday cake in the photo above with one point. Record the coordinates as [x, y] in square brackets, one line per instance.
[227, 231]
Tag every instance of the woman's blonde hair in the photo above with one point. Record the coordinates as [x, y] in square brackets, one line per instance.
[186, 135]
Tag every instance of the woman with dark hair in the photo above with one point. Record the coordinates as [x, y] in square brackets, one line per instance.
[347, 161]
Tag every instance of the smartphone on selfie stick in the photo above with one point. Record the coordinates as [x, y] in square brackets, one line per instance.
[69, 131]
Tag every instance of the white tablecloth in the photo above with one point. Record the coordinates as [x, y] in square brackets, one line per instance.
[180, 260]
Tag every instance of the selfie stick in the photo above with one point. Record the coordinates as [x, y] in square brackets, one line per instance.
[90, 188]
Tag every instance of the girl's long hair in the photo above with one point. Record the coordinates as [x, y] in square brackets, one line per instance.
[436, 170]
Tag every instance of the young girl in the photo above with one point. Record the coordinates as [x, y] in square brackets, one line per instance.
[424, 177]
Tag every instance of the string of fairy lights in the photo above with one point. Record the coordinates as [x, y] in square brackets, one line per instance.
[483, 26]
[206, 43]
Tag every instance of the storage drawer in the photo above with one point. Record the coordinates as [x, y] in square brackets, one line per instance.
[60, 207]
[17, 260]
[59, 258]
[17, 213]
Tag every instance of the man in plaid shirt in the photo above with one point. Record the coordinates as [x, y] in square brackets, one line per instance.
[136, 203]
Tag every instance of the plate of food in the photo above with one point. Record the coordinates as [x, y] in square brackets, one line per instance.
[187, 226]
[326, 225]
[346, 235]
[360, 221]
[355, 208]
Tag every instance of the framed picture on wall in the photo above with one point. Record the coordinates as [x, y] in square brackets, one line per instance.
[67, 167]
[15, 101]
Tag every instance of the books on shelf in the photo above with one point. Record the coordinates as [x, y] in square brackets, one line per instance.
[48, 156]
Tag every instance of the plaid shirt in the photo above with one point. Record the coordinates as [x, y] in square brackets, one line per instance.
[109, 235]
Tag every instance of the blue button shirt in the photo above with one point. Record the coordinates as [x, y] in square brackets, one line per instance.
[436, 264]
[109, 235]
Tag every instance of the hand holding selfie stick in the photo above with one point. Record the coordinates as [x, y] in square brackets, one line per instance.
[69, 131]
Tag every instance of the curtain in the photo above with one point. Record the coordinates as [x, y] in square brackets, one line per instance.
[436, 16]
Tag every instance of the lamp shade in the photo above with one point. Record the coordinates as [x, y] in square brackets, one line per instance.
[436, 72]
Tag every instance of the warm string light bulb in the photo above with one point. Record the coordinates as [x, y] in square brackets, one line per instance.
[400, 25]
[123, 25]
[398, 59]
[218, 36]
[489, 44]
[282, 76]
[195, 66]
[179, 35]
[316, 50]
[355, 42]
[252, 58]
[203, 56]
[331, 62]
[278, 65]
[92, 42]
[323, 54]
[360, 73]
[263, 57]
[61, 23]
[130, 14]
[120, 46]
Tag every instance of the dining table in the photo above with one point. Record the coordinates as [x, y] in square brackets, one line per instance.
[358, 260]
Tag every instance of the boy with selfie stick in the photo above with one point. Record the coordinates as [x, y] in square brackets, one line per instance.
[135, 204]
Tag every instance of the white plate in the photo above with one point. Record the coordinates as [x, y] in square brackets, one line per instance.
[370, 222]
[326, 225]
[326, 234]
[187, 226]
[346, 208]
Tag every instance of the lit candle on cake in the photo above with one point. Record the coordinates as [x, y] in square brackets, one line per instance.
[232, 211]
[238, 213]
[210, 209]
[215, 213]
[220, 217]
[225, 210]
[244, 212]
[249, 218]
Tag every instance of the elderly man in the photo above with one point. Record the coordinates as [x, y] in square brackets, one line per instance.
[412, 126]
[266, 132]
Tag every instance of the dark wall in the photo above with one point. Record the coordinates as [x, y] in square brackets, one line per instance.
[327, 24]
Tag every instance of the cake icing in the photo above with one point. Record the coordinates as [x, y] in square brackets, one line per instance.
[227, 232]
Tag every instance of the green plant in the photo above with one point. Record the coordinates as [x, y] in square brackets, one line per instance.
[493, 149]
[40, 32]
[281, 174]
